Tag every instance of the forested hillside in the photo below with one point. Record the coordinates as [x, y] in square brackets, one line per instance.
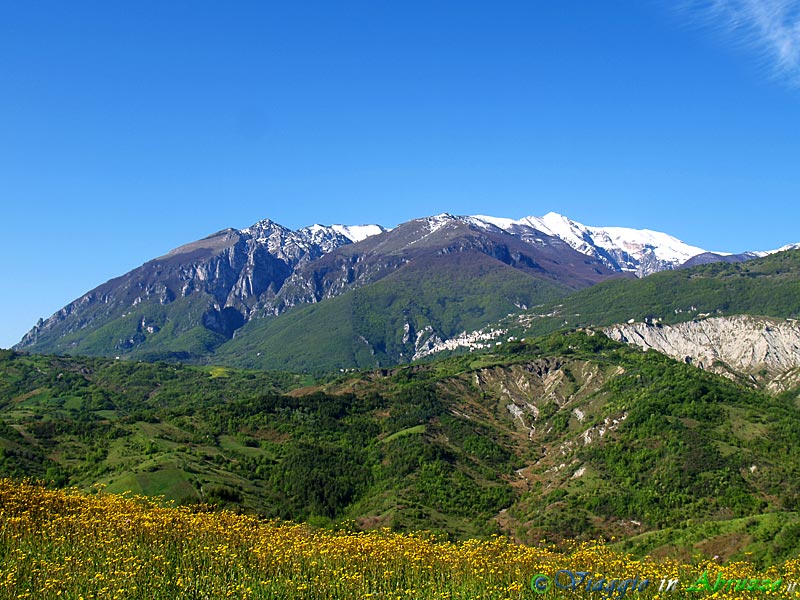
[569, 435]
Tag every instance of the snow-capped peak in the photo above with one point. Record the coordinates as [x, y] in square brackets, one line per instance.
[262, 226]
[781, 249]
[330, 237]
[357, 233]
[639, 251]
[352, 233]
[501, 222]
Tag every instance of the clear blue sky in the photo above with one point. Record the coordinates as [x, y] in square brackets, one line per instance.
[128, 128]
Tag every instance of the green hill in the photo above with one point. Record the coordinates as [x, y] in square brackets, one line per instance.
[570, 435]
[768, 286]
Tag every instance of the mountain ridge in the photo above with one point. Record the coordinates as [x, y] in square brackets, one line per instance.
[198, 297]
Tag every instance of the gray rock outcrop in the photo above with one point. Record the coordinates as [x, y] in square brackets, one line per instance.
[765, 349]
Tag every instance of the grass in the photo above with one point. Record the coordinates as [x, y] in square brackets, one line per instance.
[765, 534]
[230, 443]
[404, 432]
[165, 481]
[219, 372]
[64, 544]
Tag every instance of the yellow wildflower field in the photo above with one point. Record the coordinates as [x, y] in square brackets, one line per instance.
[65, 544]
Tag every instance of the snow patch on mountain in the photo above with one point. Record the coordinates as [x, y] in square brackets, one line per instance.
[781, 249]
[436, 222]
[357, 233]
[639, 251]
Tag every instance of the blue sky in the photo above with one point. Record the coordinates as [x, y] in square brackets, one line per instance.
[129, 128]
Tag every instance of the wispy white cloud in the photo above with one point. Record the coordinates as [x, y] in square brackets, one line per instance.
[771, 27]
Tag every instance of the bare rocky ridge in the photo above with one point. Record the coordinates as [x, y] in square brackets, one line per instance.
[234, 271]
[766, 350]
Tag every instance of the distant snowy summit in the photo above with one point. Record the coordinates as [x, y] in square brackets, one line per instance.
[639, 251]
[622, 249]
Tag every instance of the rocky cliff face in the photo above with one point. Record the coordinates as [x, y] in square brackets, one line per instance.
[766, 350]
[219, 281]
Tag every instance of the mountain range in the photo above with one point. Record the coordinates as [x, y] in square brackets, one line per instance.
[532, 402]
[334, 297]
